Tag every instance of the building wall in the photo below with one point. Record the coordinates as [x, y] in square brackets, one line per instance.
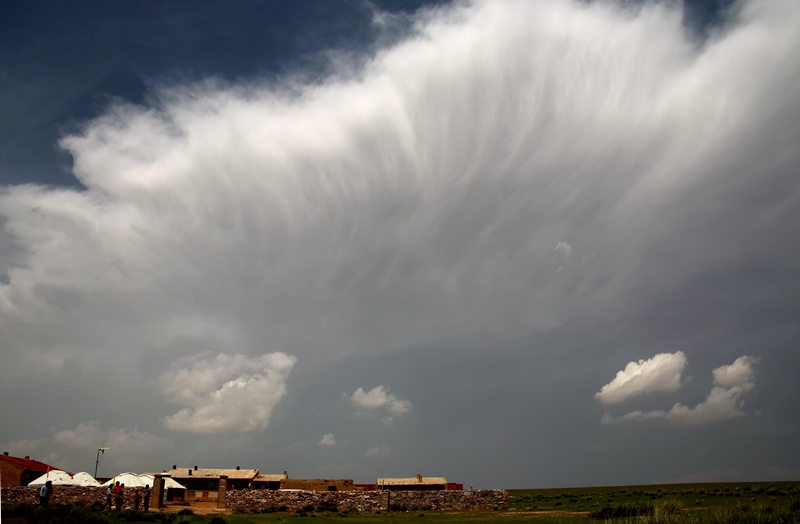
[363, 501]
[415, 487]
[11, 475]
[200, 496]
[371, 501]
[318, 484]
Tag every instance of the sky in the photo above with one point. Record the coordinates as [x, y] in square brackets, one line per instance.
[514, 243]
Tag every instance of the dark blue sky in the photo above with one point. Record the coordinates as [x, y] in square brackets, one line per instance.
[60, 62]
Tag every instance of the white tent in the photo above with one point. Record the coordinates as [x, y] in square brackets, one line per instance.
[82, 479]
[131, 480]
[169, 482]
[56, 476]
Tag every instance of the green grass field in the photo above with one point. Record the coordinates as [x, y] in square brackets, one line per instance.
[686, 495]
[723, 503]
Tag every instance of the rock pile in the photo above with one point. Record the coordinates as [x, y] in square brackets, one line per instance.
[369, 501]
[67, 495]
[257, 500]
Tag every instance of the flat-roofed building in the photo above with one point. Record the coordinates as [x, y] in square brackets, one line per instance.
[418, 483]
[202, 483]
[270, 482]
[276, 482]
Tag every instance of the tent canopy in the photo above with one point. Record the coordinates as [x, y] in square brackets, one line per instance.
[83, 479]
[131, 480]
[56, 476]
[169, 483]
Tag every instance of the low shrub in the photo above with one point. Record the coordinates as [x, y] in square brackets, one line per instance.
[327, 506]
[622, 510]
[55, 514]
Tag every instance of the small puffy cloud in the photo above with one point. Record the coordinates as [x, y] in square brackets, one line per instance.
[738, 374]
[379, 398]
[660, 373]
[377, 452]
[228, 393]
[327, 441]
[564, 248]
[723, 402]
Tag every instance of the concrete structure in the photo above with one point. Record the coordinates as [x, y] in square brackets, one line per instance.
[202, 485]
[276, 482]
[270, 482]
[16, 471]
[157, 492]
[221, 490]
[418, 483]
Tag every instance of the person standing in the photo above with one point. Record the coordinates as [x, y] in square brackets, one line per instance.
[146, 498]
[109, 495]
[137, 499]
[118, 491]
[44, 493]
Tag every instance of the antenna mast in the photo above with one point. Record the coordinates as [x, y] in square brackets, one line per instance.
[100, 451]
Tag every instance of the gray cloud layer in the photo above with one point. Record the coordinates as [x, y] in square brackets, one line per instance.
[511, 170]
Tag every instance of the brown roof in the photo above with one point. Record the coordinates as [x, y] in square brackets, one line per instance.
[22, 463]
[183, 473]
[413, 480]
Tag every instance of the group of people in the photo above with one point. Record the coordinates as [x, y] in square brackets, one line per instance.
[117, 491]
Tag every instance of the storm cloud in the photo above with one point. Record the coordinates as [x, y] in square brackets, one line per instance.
[506, 173]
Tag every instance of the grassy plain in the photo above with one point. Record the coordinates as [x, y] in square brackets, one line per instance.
[728, 503]
[688, 496]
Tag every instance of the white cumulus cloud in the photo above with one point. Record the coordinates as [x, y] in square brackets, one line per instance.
[328, 440]
[660, 373]
[377, 452]
[379, 398]
[723, 402]
[227, 393]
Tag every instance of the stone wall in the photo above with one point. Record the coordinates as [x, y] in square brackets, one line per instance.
[67, 495]
[248, 499]
[370, 501]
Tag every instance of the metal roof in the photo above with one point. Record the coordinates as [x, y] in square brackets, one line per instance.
[33, 465]
[410, 481]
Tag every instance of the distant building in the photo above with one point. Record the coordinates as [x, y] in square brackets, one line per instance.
[276, 482]
[15, 471]
[202, 484]
[418, 483]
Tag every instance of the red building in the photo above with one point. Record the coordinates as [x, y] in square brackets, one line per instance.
[15, 471]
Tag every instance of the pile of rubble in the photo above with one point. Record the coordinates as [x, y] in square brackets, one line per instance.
[258, 500]
[67, 495]
[488, 500]
[369, 501]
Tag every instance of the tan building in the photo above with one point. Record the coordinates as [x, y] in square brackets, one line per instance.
[202, 483]
[418, 483]
[276, 482]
